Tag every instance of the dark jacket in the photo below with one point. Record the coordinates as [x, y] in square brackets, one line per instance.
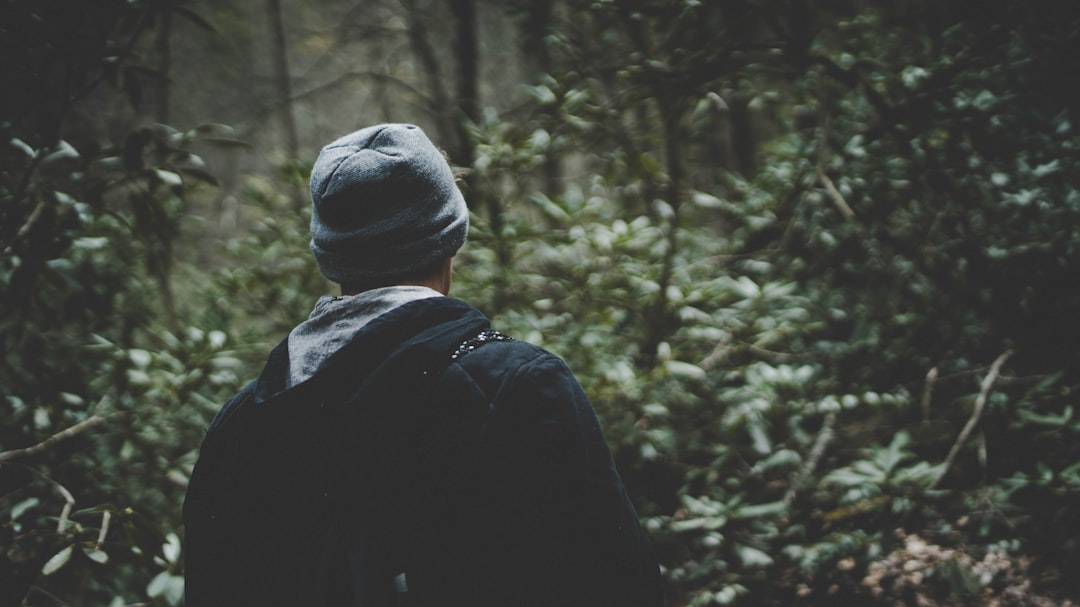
[484, 479]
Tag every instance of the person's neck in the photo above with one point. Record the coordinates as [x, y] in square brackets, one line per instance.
[439, 281]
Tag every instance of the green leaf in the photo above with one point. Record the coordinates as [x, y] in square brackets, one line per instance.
[781, 459]
[649, 163]
[157, 586]
[18, 509]
[708, 523]
[1056, 421]
[707, 201]
[57, 561]
[726, 595]
[21, 145]
[541, 94]
[756, 511]
[169, 178]
[684, 369]
[846, 477]
[201, 174]
[63, 151]
[550, 208]
[752, 557]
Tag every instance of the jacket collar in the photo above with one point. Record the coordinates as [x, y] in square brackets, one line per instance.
[423, 333]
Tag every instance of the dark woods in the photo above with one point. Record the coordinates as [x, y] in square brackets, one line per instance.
[815, 265]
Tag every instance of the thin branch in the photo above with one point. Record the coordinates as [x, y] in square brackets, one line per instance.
[976, 414]
[53, 440]
[106, 517]
[69, 499]
[822, 441]
[830, 188]
[835, 196]
[38, 589]
[35, 215]
[65, 514]
[724, 350]
[852, 78]
[348, 76]
[720, 260]
[928, 391]
[428, 59]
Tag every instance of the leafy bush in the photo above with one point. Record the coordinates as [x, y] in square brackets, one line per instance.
[814, 268]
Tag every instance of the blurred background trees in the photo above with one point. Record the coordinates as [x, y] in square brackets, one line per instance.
[815, 265]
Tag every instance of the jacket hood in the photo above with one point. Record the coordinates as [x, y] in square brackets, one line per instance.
[420, 335]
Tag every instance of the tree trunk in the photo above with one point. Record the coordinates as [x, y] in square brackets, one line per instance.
[426, 55]
[534, 30]
[481, 195]
[468, 73]
[164, 49]
[280, 56]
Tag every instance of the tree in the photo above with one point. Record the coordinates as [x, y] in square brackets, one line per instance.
[86, 257]
[813, 265]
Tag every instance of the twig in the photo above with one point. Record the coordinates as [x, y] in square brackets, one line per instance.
[852, 78]
[824, 437]
[928, 391]
[35, 215]
[980, 405]
[106, 517]
[724, 350]
[57, 600]
[53, 440]
[830, 188]
[65, 514]
[69, 499]
[835, 196]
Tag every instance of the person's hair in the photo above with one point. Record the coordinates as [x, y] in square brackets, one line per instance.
[420, 274]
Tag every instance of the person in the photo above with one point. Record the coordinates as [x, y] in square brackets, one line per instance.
[395, 450]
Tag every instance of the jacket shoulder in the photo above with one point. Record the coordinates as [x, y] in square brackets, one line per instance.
[498, 365]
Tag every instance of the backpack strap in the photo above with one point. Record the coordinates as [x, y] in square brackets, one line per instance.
[486, 336]
[366, 591]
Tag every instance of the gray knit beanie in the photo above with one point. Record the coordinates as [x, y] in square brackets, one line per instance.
[384, 205]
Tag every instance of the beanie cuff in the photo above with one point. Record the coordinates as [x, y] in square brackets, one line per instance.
[367, 269]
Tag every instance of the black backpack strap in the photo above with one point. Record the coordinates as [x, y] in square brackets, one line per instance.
[486, 336]
[370, 584]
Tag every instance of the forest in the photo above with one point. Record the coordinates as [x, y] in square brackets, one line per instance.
[813, 263]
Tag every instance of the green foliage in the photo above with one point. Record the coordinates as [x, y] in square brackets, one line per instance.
[268, 280]
[780, 245]
[94, 351]
[756, 340]
[103, 386]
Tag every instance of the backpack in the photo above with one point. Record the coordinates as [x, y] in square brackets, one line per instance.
[323, 541]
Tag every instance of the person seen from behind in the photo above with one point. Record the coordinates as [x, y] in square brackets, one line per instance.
[395, 450]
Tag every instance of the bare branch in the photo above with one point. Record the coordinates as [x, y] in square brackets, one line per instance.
[852, 78]
[835, 196]
[65, 514]
[53, 440]
[822, 441]
[928, 391]
[35, 215]
[69, 499]
[976, 414]
[346, 77]
[830, 188]
[725, 350]
[106, 517]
